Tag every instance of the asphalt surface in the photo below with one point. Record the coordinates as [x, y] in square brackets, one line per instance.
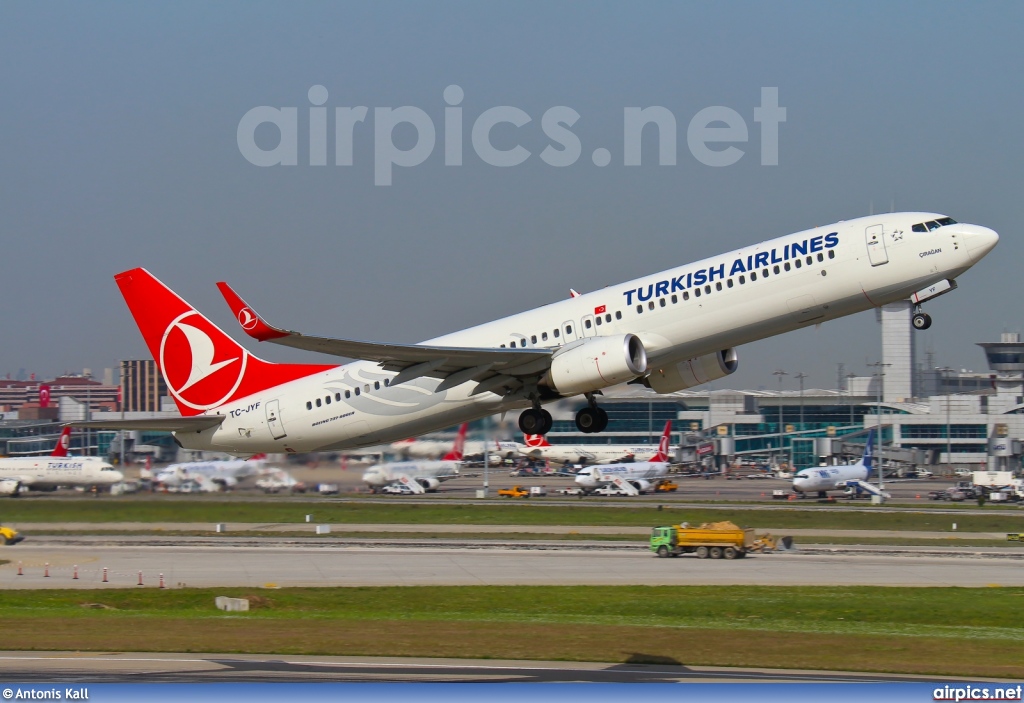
[74, 667]
[266, 564]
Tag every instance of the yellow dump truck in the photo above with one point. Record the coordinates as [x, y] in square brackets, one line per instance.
[8, 535]
[715, 540]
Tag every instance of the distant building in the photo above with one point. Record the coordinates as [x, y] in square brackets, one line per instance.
[143, 385]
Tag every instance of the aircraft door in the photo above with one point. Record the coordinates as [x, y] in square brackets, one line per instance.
[274, 420]
[569, 331]
[587, 328]
[877, 253]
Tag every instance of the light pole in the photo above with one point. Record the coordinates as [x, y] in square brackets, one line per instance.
[949, 442]
[849, 393]
[881, 377]
[778, 374]
[801, 376]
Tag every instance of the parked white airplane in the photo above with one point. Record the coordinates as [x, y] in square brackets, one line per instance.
[633, 478]
[537, 447]
[668, 331]
[822, 479]
[432, 449]
[46, 473]
[419, 476]
[224, 473]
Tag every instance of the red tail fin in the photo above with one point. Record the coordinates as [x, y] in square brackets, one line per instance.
[63, 443]
[662, 454]
[535, 440]
[460, 444]
[203, 367]
[257, 457]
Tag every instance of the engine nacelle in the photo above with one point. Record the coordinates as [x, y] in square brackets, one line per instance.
[642, 485]
[9, 487]
[429, 484]
[693, 372]
[595, 363]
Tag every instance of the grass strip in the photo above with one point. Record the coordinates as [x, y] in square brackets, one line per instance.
[188, 509]
[951, 631]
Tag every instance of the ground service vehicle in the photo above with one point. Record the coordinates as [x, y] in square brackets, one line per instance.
[717, 540]
[8, 535]
[666, 487]
[514, 492]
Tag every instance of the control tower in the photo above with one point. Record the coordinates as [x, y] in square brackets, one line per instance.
[1006, 358]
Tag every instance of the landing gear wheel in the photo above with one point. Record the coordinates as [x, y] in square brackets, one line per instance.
[702, 552]
[663, 551]
[716, 552]
[534, 421]
[591, 419]
[921, 321]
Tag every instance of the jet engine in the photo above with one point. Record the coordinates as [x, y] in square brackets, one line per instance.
[595, 363]
[429, 484]
[692, 372]
[641, 485]
[9, 487]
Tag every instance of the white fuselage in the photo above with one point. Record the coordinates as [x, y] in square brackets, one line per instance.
[385, 474]
[603, 474]
[679, 314]
[591, 453]
[225, 472]
[828, 478]
[46, 472]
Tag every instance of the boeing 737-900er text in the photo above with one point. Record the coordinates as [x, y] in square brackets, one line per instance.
[46, 473]
[668, 331]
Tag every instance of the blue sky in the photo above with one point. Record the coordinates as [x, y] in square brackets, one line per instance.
[118, 134]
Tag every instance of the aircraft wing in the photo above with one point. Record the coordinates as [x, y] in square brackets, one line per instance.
[158, 424]
[491, 368]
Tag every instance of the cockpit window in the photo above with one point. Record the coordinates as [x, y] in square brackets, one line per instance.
[933, 225]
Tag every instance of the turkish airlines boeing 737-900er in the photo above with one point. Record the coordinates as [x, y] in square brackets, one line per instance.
[668, 331]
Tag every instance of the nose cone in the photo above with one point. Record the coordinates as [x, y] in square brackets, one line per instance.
[371, 475]
[980, 241]
[117, 476]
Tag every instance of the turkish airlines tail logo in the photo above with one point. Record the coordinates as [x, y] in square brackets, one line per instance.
[63, 443]
[203, 367]
[535, 440]
[662, 454]
[460, 444]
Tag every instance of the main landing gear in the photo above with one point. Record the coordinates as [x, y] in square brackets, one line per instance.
[535, 421]
[921, 320]
[591, 418]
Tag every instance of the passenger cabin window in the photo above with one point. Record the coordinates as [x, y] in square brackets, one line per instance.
[357, 391]
[556, 334]
[586, 323]
[376, 385]
[675, 299]
[387, 381]
[544, 336]
[639, 308]
[337, 397]
[821, 257]
[327, 400]
[309, 405]
[707, 289]
[318, 402]
[608, 317]
[598, 320]
[718, 286]
[776, 269]
[686, 295]
[618, 316]
[696, 292]
[348, 394]
[742, 280]
[568, 329]
[729, 283]
[533, 339]
[798, 263]
[663, 303]
[512, 344]
[831, 253]
[786, 265]
[650, 305]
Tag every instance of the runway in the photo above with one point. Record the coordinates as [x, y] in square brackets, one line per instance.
[269, 565]
[73, 668]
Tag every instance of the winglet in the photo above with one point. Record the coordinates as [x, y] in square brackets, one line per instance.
[251, 322]
[573, 293]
